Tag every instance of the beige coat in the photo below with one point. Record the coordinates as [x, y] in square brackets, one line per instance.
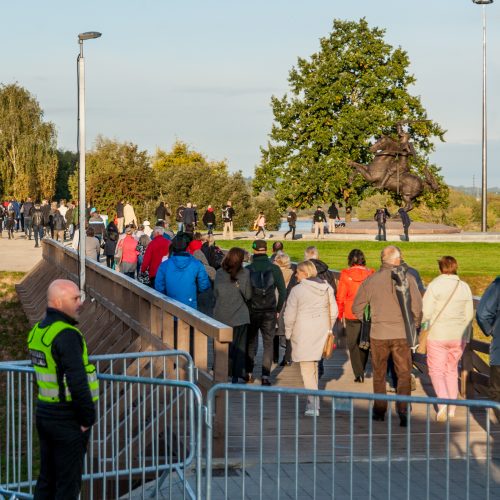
[310, 313]
[129, 215]
[454, 323]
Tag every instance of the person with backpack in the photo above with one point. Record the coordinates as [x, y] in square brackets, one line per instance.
[227, 218]
[381, 216]
[37, 220]
[291, 218]
[110, 241]
[266, 278]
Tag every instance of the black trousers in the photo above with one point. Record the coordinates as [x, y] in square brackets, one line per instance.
[291, 229]
[406, 229]
[382, 235]
[266, 323]
[238, 351]
[62, 450]
[359, 357]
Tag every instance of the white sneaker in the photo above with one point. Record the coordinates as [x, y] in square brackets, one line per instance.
[442, 415]
[310, 412]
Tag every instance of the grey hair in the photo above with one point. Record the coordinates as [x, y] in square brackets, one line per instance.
[390, 254]
[158, 230]
[311, 253]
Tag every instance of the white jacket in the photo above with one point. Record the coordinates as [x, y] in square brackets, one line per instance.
[454, 323]
[310, 312]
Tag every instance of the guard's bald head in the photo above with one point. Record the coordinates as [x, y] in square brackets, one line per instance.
[391, 255]
[64, 296]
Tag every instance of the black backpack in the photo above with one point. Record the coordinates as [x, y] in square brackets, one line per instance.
[263, 291]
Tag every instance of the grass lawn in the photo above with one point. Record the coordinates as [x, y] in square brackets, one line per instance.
[477, 262]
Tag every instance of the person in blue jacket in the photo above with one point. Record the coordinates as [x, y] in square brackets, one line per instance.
[488, 315]
[181, 276]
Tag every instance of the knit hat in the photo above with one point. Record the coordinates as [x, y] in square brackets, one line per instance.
[180, 242]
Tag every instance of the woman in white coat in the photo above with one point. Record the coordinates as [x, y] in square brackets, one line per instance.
[448, 311]
[310, 313]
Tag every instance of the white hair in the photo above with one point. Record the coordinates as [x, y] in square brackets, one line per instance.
[311, 253]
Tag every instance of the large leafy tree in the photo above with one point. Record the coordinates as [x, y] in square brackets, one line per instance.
[355, 88]
[187, 175]
[117, 171]
[28, 157]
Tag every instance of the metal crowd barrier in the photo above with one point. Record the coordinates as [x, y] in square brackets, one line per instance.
[271, 450]
[148, 429]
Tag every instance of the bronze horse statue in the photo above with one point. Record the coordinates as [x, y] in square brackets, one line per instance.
[389, 170]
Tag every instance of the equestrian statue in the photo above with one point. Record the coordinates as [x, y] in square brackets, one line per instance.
[390, 168]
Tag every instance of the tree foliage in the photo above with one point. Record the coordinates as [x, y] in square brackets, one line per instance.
[28, 159]
[67, 162]
[352, 90]
[186, 175]
[116, 171]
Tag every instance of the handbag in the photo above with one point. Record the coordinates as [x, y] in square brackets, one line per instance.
[330, 344]
[364, 334]
[424, 334]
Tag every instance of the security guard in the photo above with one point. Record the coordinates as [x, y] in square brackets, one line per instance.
[67, 388]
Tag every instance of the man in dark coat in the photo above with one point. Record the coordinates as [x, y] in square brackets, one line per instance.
[333, 215]
[381, 216]
[292, 223]
[319, 219]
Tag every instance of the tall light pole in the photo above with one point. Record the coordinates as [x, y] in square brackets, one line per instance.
[484, 183]
[81, 149]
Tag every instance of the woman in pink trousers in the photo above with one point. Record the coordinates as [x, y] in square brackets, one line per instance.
[448, 312]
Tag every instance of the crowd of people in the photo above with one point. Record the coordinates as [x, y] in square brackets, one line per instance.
[288, 305]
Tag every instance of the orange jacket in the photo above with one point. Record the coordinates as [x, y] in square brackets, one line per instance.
[349, 282]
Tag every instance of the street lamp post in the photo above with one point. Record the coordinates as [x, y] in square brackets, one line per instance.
[81, 150]
[484, 183]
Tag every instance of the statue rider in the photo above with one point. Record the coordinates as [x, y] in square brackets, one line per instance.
[400, 161]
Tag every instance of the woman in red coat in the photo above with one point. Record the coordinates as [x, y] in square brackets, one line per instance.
[349, 282]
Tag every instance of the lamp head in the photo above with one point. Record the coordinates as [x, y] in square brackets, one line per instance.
[88, 35]
[483, 2]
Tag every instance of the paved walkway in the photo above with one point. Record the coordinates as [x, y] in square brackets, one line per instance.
[18, 254]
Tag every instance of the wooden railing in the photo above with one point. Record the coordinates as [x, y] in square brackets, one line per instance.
[122, 315]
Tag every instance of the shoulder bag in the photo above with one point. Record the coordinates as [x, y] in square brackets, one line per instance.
[330, 344]
[424, 334]
[364, 334]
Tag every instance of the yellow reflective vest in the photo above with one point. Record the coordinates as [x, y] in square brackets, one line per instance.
[40, 347]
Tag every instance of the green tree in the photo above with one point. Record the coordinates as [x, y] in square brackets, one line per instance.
[28, 159]
[353, 89]
[117, 171]
[186, 175]
[67, 165]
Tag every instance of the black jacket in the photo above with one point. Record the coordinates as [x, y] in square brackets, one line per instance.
[189, 216]
[405, 218]
[319, 216]
[227, 213]
[67, 350]
[292, 219]
[162, 212]
[46, 214]
[333, 212]
[209, 218]
[59, 222]
[119, 210]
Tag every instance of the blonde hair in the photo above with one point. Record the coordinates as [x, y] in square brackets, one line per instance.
[311, 253]
[282, 259]
[308, 268]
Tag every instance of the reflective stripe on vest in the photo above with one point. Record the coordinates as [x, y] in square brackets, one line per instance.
[40, 345]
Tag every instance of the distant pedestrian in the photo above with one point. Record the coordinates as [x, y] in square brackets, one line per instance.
[406, 221]
[189, 216]
[209, 219]
[157, 250]
[129, 217]
[120, 217]
[333, 216]
[319, 219]
[59, 224]
[260, 225]
[381, 216]
[92, 245]
[27, 212]
[179, 217]
[127, 246]
[163, 213]
[228, 214]
[37, 219]
[97, 223]
[110, 242]
[448, 311]
[292, 223]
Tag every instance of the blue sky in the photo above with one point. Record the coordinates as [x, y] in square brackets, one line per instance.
[204, 71]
